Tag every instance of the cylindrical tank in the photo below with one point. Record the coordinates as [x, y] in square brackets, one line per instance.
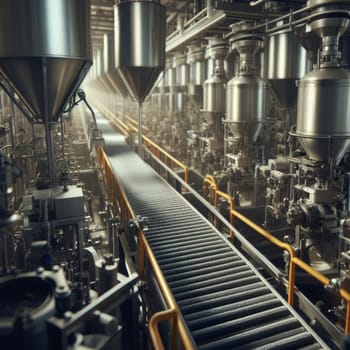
[323, 115]
[182, 72]
[196, 60]
[245, 102]
[214, 88]
[286, 62]
[214, 96]
[45, 46]
[139, 44]
[245, 107]
[111, 72]
[182, 76]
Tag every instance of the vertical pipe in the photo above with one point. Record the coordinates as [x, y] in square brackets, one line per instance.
[2, 103]
[209, 8]
[48, 130]
[5, 260]
[50, 152]
[140, 130]
[13, 127]
[62, 138]
[80, 240]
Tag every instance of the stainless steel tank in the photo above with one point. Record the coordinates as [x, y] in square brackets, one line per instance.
[245, 101]
[323, 123]
[214, 96]
[171, 84]
[214, 88]
[139, 44]
[323, 115]
[286, 62]
[45, 51]
[182, 71]
[182, 77]
[111, 72]
[245, 107]
[197, 75]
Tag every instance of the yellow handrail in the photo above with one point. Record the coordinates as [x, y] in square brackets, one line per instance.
[173, 312]
[226, 196]
[326, 281]
[153, 326]
[119, 124]
[135, 123]
[210, 180]
[293, 259]
[277, 243]
[173, 309]
[152, 146]
[130, 126]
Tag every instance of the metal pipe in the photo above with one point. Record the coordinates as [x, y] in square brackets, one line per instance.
[48, 128]
[140, 131]
[62, 139]
[209, 8]
[50, 153]
[257, 2]
[5, 260]
[13, 127]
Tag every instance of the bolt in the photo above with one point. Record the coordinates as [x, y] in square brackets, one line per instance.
[40, 270]
[55, 268]
[108, 259]
[67, 315]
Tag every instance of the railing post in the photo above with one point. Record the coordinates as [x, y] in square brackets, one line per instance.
[347, 319]
[291, 280]
[141, 253]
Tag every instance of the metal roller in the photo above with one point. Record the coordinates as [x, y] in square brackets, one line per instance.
[216, 289]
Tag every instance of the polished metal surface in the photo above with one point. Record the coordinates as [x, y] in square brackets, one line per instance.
[112, 73]
[245, 106]
[214, 88]
[196, 60]
[139, 45]
[286, 62]
[197, 75]
[214, 96]
[245, 99]
[45, 51]
[323, 115]
[182, 70]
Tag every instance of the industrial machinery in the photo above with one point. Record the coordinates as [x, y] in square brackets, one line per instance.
[246, 102]
[60, 283]
[245, 115]
[210, 142]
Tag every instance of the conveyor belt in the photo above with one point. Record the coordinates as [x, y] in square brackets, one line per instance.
[224, 301]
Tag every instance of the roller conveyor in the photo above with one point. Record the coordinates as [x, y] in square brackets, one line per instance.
[223, 299]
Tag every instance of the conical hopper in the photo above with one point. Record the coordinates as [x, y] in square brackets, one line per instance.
[45, 51]
[139, 45]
